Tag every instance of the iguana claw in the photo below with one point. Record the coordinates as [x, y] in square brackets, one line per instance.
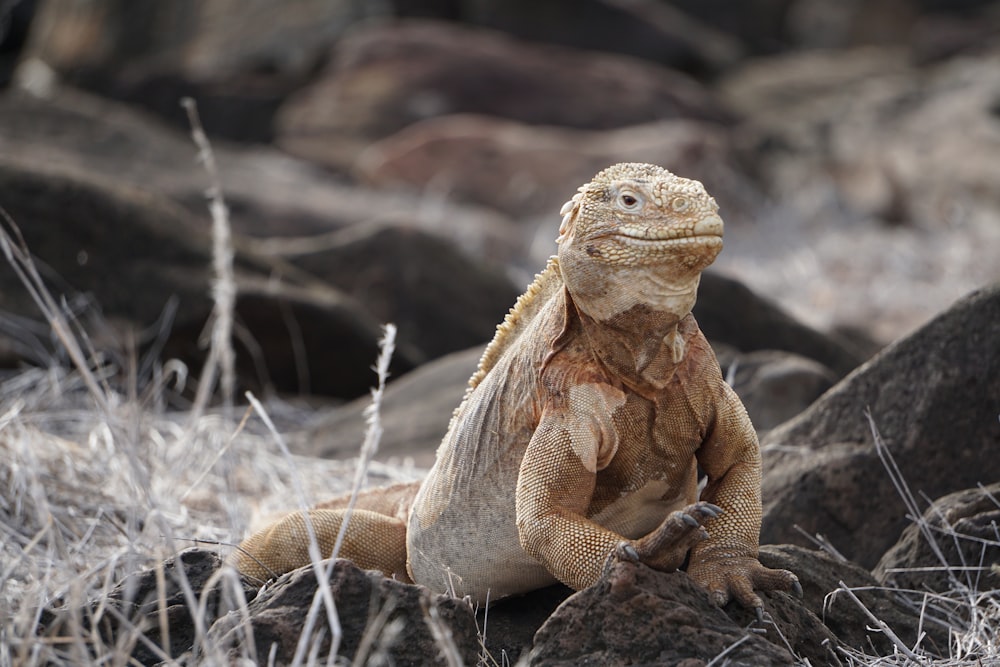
[626, 552]
[759, 613]
[797, 589]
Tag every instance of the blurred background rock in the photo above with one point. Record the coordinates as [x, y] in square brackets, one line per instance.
[405, 160]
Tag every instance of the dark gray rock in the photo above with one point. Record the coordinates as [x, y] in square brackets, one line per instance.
[729, 312]
[637, 616]
[377, 615]
[509, 626]
[963, 527]
[657, 32]
[933, 398]
[775, 386]
[820, 575]
[385, 77]
[439, 299]
[240, 61]
[414, 415]
[130, 617]
[131, 253]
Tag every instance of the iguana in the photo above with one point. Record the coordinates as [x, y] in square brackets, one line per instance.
[580, 437]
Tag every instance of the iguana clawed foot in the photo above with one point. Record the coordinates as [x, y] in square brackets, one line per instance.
[737, 577]
[666, 547]
[726, 578]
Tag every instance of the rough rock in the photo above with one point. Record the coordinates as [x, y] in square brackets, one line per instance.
[933, 398]
[963, 528]
[729, 312]
[414, 415]
[138, 602]
[640, 616]
[775, 386]
[509, 625]
[386, 77]
[399, 621]
[525, 169]
[633, 616]
[132, 252]
[240, 60]
[440, 300]
[660, 33]
[820, 575]
[286, 205]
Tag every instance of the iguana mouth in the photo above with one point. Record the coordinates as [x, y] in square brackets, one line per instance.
[706, 229]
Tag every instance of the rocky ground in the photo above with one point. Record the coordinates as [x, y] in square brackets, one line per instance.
[404, 161]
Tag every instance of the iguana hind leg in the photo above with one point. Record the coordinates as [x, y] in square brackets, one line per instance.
[373, 541]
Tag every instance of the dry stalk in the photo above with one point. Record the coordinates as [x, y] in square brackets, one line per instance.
[221, 358]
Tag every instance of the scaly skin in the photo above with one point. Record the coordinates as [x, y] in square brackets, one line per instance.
[581, 434]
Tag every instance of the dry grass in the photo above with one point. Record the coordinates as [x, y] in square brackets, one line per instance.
[970, 611]
[101, 479]
[89, 497]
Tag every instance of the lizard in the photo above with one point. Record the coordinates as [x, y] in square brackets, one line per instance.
[581, 434]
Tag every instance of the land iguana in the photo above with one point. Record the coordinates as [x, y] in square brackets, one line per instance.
[580, 437]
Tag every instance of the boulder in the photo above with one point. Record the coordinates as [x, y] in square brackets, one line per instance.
[383, 78]
[400, 623]
[279, 205]
[131, 253]
[731, 313]
[657, 32]
[820, 575]
[530, 170]
[639, 616]
[439, 299]
[774, 385]
[133, 616]
[636, 615]
[239, 59]
[933, 398]
[414, 415]
[951, 547]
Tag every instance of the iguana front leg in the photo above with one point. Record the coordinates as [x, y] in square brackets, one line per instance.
[555, 486]
[726, 563]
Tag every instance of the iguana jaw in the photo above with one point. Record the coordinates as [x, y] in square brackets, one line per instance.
[708, 230]
[688, 248]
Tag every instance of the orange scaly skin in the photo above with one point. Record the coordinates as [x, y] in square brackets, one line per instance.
[580, 436]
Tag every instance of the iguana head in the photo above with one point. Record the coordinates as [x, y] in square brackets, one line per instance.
[637, 235]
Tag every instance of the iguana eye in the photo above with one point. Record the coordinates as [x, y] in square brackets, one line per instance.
[680, 204]
[628, 200]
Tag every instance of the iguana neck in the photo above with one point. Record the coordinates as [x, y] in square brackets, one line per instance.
[643, 345]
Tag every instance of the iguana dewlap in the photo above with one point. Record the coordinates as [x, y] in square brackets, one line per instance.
[583, 430]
